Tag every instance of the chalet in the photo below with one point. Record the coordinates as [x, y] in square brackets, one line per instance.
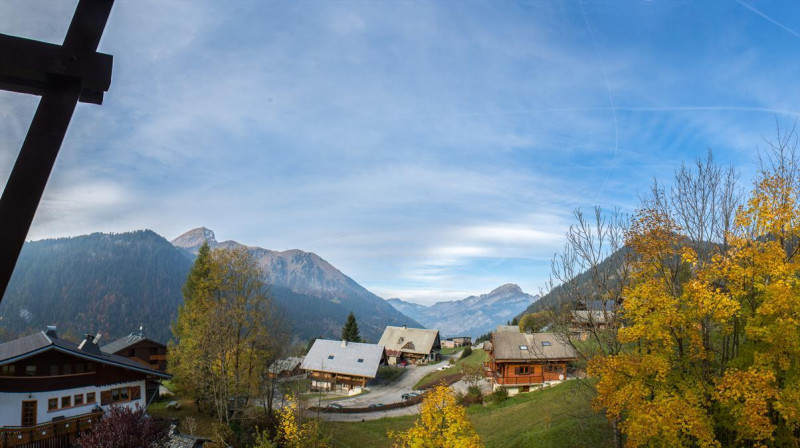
[145, 351]
[342, 365]
[51, 388]
[285, 368]
[508, 329]
[518, 361]
[410, 345]
[584, 322]
[461, 341]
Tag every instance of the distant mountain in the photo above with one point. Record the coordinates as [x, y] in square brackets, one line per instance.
[472, 316]
[317, 296]
[113, 283]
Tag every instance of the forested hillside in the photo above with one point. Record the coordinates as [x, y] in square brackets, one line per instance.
[111, 283]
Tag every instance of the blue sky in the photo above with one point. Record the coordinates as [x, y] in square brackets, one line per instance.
[430, 150]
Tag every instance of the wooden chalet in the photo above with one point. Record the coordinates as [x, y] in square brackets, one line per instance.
[584, 322]
[342, 365]
[410, 345]
[518, 361]
[51, 389]
[148, 352]
[286, 368]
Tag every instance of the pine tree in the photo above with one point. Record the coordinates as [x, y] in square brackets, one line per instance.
[350, 330]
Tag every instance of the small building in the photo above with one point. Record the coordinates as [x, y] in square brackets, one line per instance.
[584, 322]
[410, 345]
[518, 361]
[51, 388]
[285, 368]
[145, 351]
[342, 365]
[461, 341]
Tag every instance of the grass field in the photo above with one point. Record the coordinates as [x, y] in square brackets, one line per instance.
[450, 351]
[478, 356]
[556, 417]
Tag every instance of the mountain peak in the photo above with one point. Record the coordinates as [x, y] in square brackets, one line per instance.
[195, 238]
[508, 288]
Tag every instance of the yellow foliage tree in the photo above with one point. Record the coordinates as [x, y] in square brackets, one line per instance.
[442, 423]
[711, 343]
[294, 432]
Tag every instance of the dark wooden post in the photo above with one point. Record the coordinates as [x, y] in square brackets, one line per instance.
[62, 75]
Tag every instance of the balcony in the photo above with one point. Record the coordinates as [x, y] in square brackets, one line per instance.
[66, 430]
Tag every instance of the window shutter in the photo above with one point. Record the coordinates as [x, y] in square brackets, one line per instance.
[136, 392]
[105, 397]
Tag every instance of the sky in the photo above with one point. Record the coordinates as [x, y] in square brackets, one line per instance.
[429, 150]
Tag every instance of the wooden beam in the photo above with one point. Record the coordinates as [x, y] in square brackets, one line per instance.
[61, 83]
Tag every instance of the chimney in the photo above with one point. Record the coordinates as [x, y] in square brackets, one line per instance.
[344, 343]
[89, 344]
[51, 332]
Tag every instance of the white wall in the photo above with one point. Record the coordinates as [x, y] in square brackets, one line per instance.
[11, 403]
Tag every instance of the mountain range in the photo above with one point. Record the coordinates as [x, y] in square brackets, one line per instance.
[113, 283]
[472, 316]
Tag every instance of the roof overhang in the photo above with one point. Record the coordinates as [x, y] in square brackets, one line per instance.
[85, 356]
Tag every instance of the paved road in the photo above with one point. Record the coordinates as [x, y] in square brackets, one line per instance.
[384, 394]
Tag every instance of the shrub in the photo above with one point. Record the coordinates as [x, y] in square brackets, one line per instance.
[473, 396]
[467, 351]
[123, 427]
[499, 395]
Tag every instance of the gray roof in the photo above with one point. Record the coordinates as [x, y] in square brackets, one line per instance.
[127, 341]
[285, 365]
[508, 329]
[409, 340]
[530, 346]
[39, 342]
[595, 317]
[330, 356]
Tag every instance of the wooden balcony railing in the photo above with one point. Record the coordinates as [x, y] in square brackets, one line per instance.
[11, 436]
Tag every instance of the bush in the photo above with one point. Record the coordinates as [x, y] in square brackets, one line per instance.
[467, 351]
[123, 427]
[473, 396]
[499, 395]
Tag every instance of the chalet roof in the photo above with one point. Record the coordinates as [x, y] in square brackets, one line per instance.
[331, 356]
[285, 365]
[39, 342]
[594, 317]
[409, 340]
[508, 329]
[530, 346]
[127, 341]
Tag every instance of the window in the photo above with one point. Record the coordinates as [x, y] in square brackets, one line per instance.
[53, 370]
[30, 370]
[79, 400]
[123, 394]
[523, 347]
[330, 356]
[522, 370]
[8, 370]
[554, 368]
[52, 404]
[90, 397]
[545, 343]
[117, 395]
[67, 369]
[66, 402]
[360, 359]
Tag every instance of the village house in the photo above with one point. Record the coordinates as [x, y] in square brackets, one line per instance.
[461, 341]
[51, 388]
[410, 345]
[584, 322]
[285, 368]
[518, 361]
[143, 350]
[508, 329]
[342, 365]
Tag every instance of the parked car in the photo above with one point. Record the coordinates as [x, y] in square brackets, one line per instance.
[409, 395]
[444, 367]
[335, 406]
[376, 405]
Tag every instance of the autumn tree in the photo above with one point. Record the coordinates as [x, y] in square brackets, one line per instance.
[711, 340]
[535, 322]
[124, 427]
[350, 331]
[297, 431]
[227, 334]
[442, 423]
